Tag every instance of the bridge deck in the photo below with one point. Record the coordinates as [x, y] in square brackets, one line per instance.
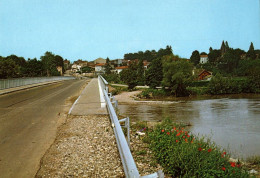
[90, 101]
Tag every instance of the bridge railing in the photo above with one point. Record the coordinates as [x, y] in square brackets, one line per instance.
[127, 159]
[17, 82]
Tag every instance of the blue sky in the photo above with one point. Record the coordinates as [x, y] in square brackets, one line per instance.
[84, 29]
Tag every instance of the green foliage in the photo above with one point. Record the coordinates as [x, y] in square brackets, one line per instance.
[214, 55]
[8, 68]
[154, 74]
[197, 90]
[153, 93]
[129, 76]
[140, 72]
[195, 57]
[181, 154]
[251, 52]
[86, 69]
[222, 85]
[50, 64]
[108, 67]
[149, 55]
[33, 68]
[112, 78]
[177, 75]
[230, 61]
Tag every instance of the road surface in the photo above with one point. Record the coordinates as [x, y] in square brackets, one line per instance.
[28, 125]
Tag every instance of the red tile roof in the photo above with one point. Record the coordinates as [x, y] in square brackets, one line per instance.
[122, 67]
[100, 64]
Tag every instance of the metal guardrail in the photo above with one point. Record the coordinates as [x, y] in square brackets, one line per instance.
[17, 82]
[127, 159]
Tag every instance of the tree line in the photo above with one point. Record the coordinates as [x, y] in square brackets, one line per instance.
[149, 55]
[13, 66]
[228, 61]
[234, 71]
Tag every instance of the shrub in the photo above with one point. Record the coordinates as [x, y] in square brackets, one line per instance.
[181, 154]
[154, 93]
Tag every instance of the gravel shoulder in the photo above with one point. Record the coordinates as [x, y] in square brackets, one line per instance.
[85, 146]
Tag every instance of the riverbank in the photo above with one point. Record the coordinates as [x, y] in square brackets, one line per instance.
[150, 110]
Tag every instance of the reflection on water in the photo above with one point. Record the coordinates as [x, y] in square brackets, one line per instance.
[233, 123]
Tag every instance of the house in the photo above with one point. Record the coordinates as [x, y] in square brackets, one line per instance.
[120, 68]
[146, 64]
[116, 62]
[205, 75]
[204, 59]
[75, 68]
[100, 68]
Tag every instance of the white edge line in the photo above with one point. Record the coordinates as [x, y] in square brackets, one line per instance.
[74, 104]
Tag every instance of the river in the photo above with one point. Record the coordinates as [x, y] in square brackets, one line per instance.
[232, 122]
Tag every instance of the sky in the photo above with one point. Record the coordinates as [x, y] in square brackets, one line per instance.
[88, 29]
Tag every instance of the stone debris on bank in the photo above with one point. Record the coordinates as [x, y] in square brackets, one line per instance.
[85, 146]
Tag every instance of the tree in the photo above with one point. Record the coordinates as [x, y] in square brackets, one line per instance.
[33, 68]
[223, 48]
[213, 56]
[108, 66]
[140, 72]
[154, 74]
[177, 75]
[129, 76]
[86, 69]
[50, 63]
[8, 68]
[251, 52]
[195, 57]
[230, 61]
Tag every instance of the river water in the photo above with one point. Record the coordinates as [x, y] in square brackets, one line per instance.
[232, 122]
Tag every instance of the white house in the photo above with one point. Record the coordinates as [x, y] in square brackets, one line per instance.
[75, 68]
[100, 68]
[204, 59]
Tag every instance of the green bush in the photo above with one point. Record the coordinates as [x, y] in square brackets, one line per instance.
[199, 83]
[181, 154]
[152, 93]
[112, 78]
[222, 85]
[197, 90]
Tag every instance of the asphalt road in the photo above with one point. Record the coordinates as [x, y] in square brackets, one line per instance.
[28, 123]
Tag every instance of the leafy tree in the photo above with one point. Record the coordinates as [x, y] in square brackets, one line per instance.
[8, 68]
[59, 62]
[230, 60]
[86, 69]
[140, 72]
[108, 66]
[33, 68]
[19, 61]
[195, 57]
[129, 76]
[154, 74]
[177, 75]
[213, 56]
[50, 63]
[251, 52]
